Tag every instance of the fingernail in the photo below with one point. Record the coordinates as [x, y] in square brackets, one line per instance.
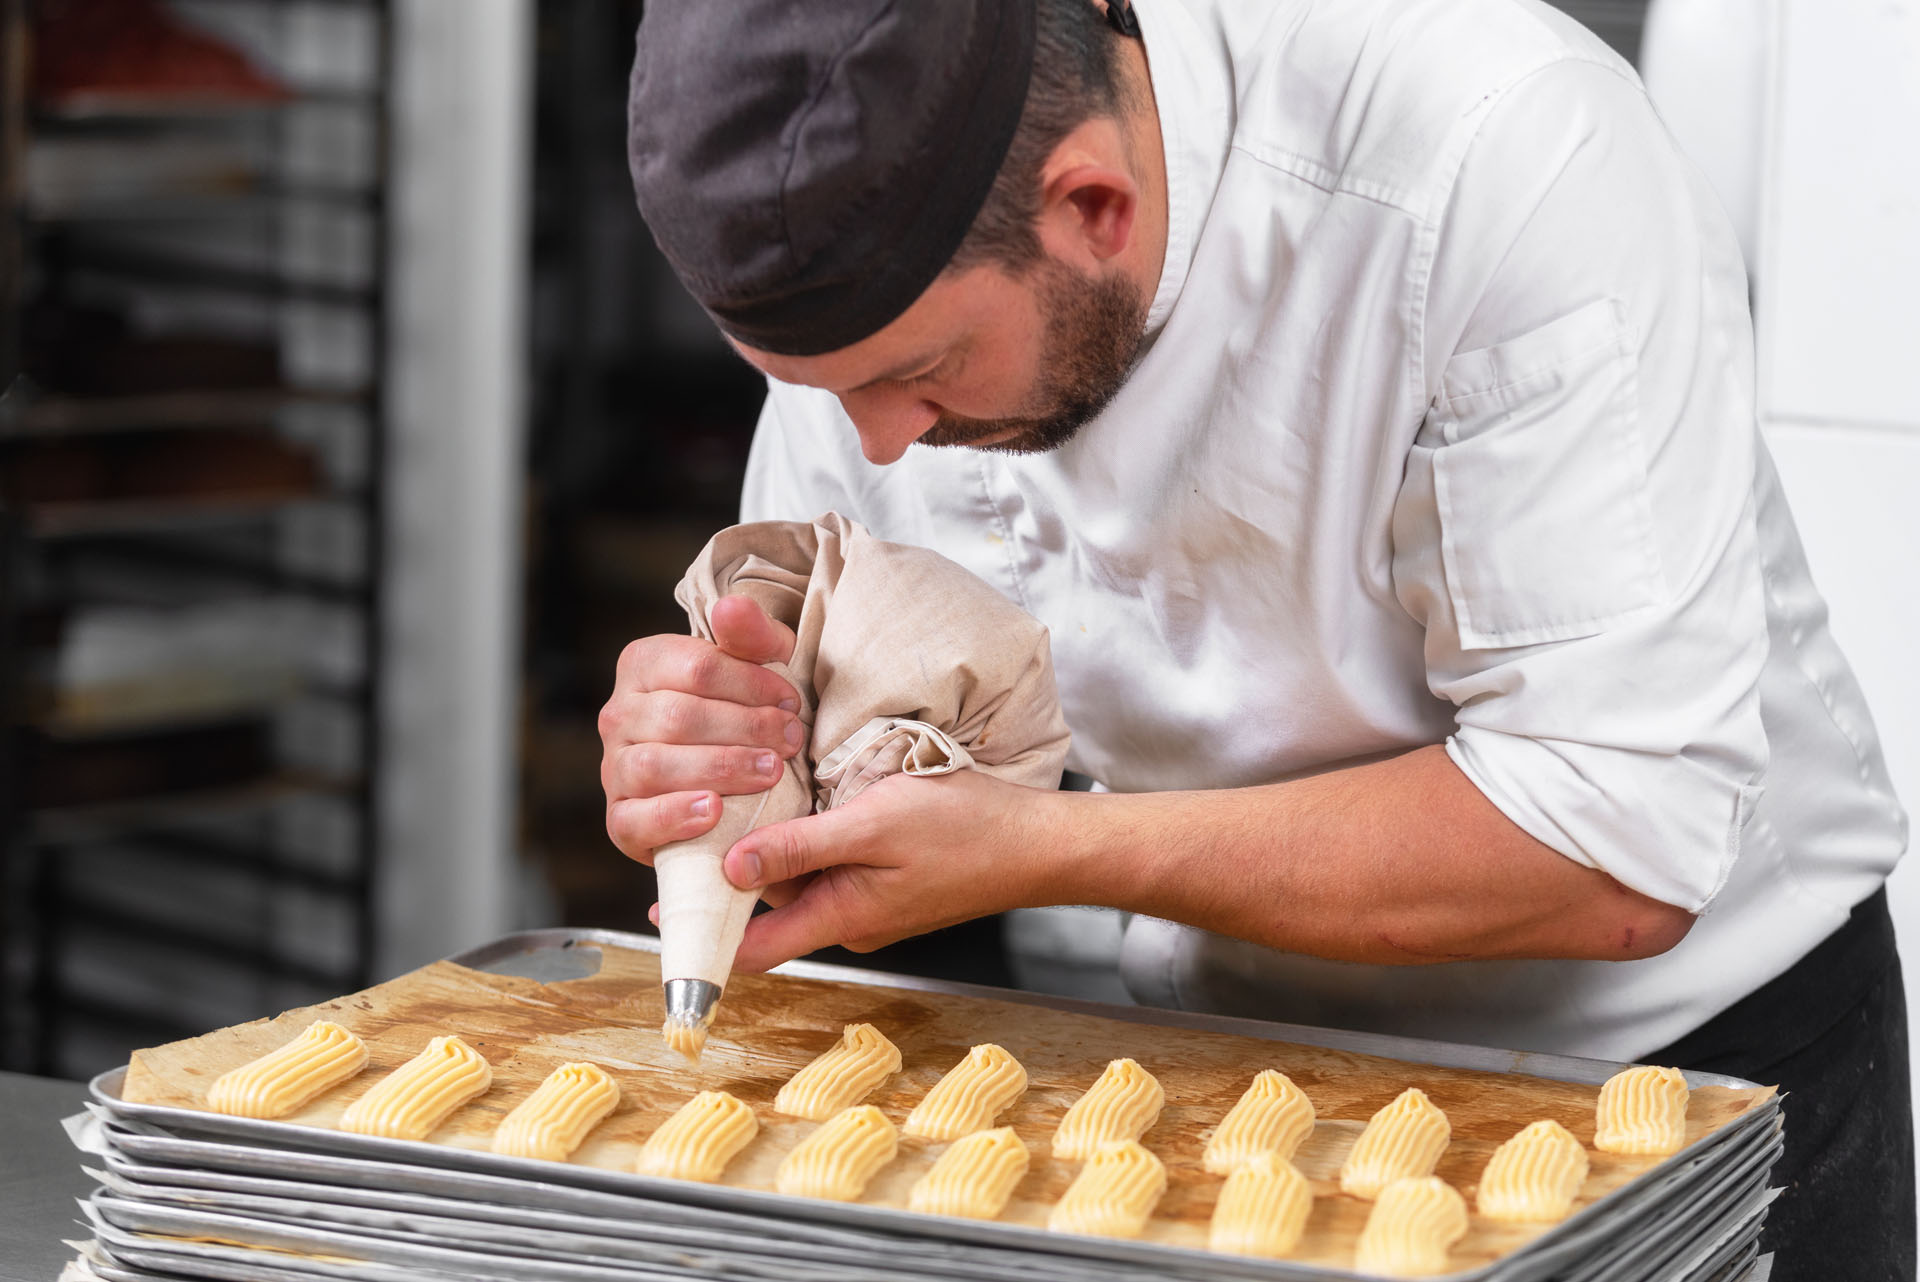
[703, 807]
[795, 733]
[789, 705]
[750, 867]
[767, 763]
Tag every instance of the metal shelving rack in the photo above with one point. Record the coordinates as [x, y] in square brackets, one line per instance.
[177, 890]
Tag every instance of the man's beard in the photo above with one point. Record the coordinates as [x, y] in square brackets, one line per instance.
[1095, 326]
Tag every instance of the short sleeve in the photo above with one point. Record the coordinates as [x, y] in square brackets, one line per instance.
[1575, 527]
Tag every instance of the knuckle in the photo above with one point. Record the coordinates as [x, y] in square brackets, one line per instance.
[643, 767]
[769, 725]
[624, 832]
[703, 668]
[676, 716]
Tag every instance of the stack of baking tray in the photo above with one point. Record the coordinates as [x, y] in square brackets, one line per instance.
[188, 1193]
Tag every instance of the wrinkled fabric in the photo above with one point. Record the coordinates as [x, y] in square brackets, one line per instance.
[904, 662]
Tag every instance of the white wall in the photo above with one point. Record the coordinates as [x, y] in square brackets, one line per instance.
[461, 172]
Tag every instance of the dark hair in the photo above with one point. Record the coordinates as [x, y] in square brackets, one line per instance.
[1076, 77]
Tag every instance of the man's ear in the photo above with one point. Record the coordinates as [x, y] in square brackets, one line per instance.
[1087, 206]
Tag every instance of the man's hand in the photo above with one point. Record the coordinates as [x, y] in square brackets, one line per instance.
[691, 721]
[906, 856]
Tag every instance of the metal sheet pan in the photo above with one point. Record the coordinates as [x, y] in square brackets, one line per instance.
[1675, 1203]
[341, 1161]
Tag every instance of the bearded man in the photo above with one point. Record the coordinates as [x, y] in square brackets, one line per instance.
[1362, 394]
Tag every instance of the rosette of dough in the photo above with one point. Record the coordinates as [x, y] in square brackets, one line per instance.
[905, 663]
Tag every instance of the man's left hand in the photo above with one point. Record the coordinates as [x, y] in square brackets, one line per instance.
[906, 856]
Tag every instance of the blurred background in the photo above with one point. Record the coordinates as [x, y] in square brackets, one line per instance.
[350, 425]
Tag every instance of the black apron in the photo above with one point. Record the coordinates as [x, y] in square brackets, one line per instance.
[1831, 1033]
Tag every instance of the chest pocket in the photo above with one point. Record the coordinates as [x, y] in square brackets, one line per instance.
[1540, 480]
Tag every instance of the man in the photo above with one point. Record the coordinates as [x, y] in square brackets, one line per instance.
[1362, 395]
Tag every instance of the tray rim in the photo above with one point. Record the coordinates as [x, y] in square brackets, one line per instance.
[104, 1089]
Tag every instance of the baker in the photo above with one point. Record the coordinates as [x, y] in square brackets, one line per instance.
[1362, 394]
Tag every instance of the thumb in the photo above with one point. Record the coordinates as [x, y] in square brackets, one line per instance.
[745, 630]
[780, 852]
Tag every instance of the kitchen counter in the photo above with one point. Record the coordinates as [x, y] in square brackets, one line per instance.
[39, 1177]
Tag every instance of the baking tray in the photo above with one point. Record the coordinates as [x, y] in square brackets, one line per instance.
[1712, 1215]
[272, 1150]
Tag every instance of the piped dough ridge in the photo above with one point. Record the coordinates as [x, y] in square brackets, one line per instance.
[553, 1121]
[841, 1076]
[1273, 1116]
[1535, 1176]
[1401, 1141]
[1121, 1105]
[1642, 1111]
[414, 1098]
[837, 1161]
[1262, 1208]
[1413, 1225]
[319, 1059]
[974, 1177]
[697, 1142]
[970, 1096]
[1114, 1193]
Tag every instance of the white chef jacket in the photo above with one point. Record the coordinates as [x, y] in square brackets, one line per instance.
[1445, 434]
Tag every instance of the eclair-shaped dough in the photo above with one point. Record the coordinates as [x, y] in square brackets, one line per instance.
[841, 1076]
[1119, 1106]
[836, 1161]
[1403, 1140]
[1533, 1176]
[1414, 1223]
[970, 1096]
[414, 1098]
[319, 1059]
[1642, 1111]
[1263, 1208]
[1273, 1116]
[698, 1141]
[974, 1177]
[555, 1119]
[1114, 1193]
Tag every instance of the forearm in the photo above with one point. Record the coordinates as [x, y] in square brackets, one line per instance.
[1397, 861]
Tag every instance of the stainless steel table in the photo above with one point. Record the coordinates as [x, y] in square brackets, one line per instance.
[39, 1177]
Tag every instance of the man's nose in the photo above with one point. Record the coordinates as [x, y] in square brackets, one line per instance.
[888, 421]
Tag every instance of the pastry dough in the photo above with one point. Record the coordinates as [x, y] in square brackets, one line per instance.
[970, 1096]
[1114, 1193]
[698, 1141]
[555, 1119]
[319, 1059]
[1642, 1111]
[1263, 1208]
[974, 1177]
[1533, 1176]
[414, 1098]
[1404, 1139]
[841, 1076]
[1272, 1117]
[1120, 1106]
[836, 1161]
[685, 1038]
[1413, 1225]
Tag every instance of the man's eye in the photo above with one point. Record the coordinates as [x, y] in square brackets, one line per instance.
[918, 379]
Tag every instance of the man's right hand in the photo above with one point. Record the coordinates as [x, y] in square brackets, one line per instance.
[691, 721]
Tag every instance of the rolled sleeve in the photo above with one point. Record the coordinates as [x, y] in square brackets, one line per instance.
[1575, 528]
